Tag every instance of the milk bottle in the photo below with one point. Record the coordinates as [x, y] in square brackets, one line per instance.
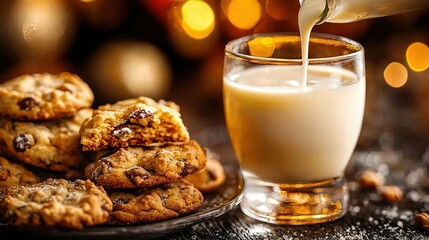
[342, 11]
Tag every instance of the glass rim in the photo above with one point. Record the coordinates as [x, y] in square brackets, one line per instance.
[229, 48]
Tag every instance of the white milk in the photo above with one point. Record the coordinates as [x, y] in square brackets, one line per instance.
[283, 133]
[308, 16]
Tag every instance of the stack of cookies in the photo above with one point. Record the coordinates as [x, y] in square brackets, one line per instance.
[40, 119]
[139, 162]
[143, 145]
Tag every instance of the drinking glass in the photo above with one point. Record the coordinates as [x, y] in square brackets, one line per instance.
[293, 129]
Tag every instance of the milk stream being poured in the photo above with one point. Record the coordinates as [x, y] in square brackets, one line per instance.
[309, 14]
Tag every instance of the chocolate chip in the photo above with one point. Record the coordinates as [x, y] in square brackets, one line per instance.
[100, 169]
[141, 114]
[96, 172]
[135, 172]
[187, 169]
[23, 142]
[121, 132]
[108, 165]
[27, 103]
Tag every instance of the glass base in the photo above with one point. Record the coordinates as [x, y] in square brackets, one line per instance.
[295, 204]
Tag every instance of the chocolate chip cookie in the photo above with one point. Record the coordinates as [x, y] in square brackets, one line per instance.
[154, 204]
[139, 124]
[210, 178]
[44, 96]
[134, 167]
[12, 174]
[50, 144]
[55, 202]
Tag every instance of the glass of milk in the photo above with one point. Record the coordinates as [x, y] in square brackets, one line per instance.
[294, 126]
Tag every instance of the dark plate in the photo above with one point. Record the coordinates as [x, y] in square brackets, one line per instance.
[215, 204]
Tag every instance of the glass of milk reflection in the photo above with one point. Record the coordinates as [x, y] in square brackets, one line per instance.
[294, 129]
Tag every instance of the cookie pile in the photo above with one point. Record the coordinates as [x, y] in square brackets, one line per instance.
[143, 145]
[40, 118]
[136, 158]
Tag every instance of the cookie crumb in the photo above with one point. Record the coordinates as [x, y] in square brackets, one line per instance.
[391, 193]
[369, 179]
[423, 218]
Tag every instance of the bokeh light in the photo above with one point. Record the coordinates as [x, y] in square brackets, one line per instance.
[417, 55]
[126, 69]
[262, 47]
[198, 19]
[40, 29]
[243, 14]
[395, 75]
[192, 31]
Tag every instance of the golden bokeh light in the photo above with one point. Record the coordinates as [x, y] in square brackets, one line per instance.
[262, 47]
[40, 29]
[198, 19]
[127, 69]
[417, 55]
[244, 14]
[395, 75]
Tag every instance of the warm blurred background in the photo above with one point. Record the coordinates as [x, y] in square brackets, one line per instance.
[173, 49]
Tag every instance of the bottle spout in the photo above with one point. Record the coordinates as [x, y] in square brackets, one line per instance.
[319, 7]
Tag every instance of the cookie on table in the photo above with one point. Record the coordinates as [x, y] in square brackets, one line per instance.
[12, 174]
[138, 124]
[210, 178]
[134, 167]
[44, 96]
[55, 202]
[154, 204]
[52, 145]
